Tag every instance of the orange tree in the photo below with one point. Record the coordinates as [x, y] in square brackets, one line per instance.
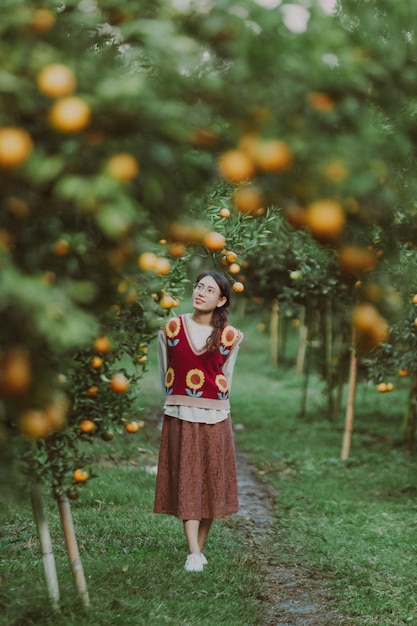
[114, 118]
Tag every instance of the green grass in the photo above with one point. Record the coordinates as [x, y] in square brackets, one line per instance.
[351, 524]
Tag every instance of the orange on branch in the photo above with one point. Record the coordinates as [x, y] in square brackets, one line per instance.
[15, 371]
[147, 260]
[273, 155]
[35, 423]
[70, 115]
[248, 200]
[61, 247]
[214, 241]
[234, 268]
[122, 167]
[238, 287]
[382, 387]
[167, 301]
[96, 362]
[56, 80]
[162, 266]
[119, 383]
[356, 259]
[321, 101]
[403, 372]
[43, 20]
[177, 249]
[92, 391]
[134, 426]
[15, 146]
[325, 219]
[102, 344]
[87, 426]
[236, 166]
[370, 327]
[224, 213]
[231, 257]
[415, 299]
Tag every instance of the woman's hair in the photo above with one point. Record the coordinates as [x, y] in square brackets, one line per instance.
[221, 313]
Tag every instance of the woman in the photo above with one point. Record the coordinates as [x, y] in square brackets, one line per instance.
[196, 478]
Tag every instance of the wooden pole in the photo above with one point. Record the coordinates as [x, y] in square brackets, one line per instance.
[350, 405]
[46, 545]
[72, 549]
[274, 331]
[302, 343]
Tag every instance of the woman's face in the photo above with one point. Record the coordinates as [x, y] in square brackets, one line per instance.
[207, 296]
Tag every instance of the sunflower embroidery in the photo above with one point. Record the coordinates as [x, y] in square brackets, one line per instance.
[169, 380]
[221, 382]
[194, 380]
[228, 338]
[172, 330]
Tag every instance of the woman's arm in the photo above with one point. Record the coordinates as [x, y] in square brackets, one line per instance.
[162, 358]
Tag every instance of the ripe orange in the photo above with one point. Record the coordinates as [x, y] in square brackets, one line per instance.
[415, 299]
[214, 241]
[15, 372]
[390, 386]
[369, 325]
[56, 80]
[273, 156]
[382, 387]
[325, 219]
[134, 426]
[119, 383]
[102, 344]
[357, 260]
[80, 475]
[236, 166]
[238, 287]
[35, 423]
[403, 372]
[15, 146]
[177, 249]
[147, 260]
[248, 200]
[167, 301]
[224, 212]
[295, 215]
[231, 257]
[70, 115]
[96, 362]
[92, 391]
[43, 20]
[141, 358]
[162, 266]
[234, 268]
[321, 101]
[87, 426]
[61, 247]
[123, 167]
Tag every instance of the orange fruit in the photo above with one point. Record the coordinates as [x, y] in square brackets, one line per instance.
[56, 80]
[248, 200]
[224, 212]
[123, 167]
[325, 219]
[231, 257]
[403, 372]
[369, 325]
[273, 156]
[134, 426]
[214, 241]
[70, 115]
[35, 423]
[390, 386]
[167, 301]
[141, 358]
[102, 344]
[336, 171]
[80, 475]
[96, 362]
[236, 166]
[295, 215]
[382, 387]
[147, 260]
[177, 249]
[15, 372]
[415, 299]
[61, 247]
[43, 20]
[87, 426]
[238, 287]
[321, 101]
[162, 266]
[119, 383]
[15, 146]
[107, 435]
[234, 268]
[92, 391]
[357, 260]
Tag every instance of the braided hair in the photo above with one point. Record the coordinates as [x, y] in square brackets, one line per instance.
[221, 313]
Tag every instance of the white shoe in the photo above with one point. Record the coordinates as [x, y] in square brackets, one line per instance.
[194, 563]
[203, 559]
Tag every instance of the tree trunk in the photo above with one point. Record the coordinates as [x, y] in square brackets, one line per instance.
[72, 548]
[46, 545]
[274, 332]
[329, 350]
[350, 404]
[302, 343]
[411, 417]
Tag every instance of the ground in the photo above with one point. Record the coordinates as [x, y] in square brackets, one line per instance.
[293, 598]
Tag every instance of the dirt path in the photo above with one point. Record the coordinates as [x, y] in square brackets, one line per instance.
[292, 597]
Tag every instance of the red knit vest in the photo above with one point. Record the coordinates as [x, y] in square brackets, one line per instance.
[195, 377]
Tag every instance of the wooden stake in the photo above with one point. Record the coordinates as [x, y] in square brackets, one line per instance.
[72, 548]
[274, 332]
[46, 545]
[350, 405]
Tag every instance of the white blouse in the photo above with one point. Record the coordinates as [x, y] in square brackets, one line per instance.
[199, 334]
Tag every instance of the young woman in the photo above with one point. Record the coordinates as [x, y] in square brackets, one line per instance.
[196, 478]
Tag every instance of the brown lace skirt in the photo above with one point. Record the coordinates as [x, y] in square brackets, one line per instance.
[196, 470]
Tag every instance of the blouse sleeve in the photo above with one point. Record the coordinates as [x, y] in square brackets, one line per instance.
[162, 358]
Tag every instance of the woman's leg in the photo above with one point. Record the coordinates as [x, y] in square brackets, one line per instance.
[191, 529]
[203, 531]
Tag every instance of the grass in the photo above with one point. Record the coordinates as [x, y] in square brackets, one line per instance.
[351, 524]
